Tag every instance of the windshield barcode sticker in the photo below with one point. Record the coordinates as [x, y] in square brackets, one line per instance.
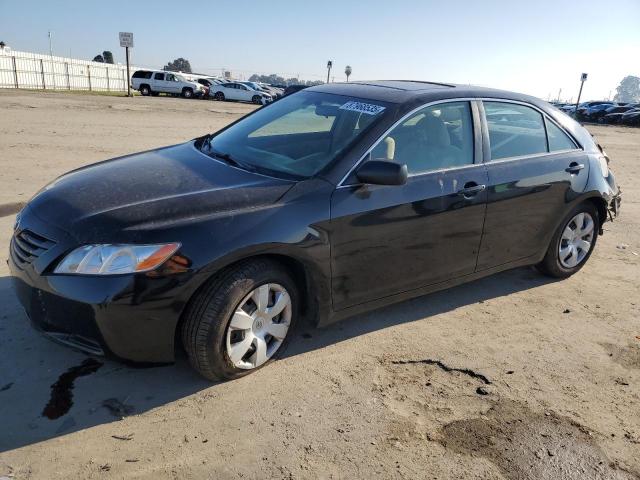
[367, 108]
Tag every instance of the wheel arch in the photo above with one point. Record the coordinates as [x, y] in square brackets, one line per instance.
[303, 273]
[601, 207]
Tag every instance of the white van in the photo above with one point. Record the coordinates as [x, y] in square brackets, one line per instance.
[154, 82]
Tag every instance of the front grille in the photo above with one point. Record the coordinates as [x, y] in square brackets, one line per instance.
[26, 246]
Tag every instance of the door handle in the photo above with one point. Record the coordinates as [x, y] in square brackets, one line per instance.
[471, 189]
[574, 168]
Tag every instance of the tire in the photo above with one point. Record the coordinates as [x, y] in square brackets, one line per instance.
[145, 90]
[553, 264]
[257, 99]
[219, 96]
[213, 345]
[187, 92]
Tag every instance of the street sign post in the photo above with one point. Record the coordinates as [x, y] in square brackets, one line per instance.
[126, 41]
[583, 78]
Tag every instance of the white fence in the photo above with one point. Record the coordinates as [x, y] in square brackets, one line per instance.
[44, 72]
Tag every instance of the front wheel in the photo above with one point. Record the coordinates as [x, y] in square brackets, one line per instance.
[257, 99]
[219, 96]
[572, 243]
[187, 93]
[241, 320]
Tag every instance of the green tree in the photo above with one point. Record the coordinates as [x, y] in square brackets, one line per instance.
[178, 65]
[628, 90]
[98, 58]
[108, 56]
[347, 72]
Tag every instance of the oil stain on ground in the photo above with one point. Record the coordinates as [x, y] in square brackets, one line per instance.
[526, 445]
[62, 391]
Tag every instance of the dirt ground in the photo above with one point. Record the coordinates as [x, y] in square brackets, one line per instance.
[510, 377]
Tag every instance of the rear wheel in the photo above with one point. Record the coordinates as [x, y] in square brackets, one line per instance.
[573, 243]
[145, 90]
[219, 96]
[241, 320]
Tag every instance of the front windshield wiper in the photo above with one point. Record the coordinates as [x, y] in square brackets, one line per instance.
[226, 157]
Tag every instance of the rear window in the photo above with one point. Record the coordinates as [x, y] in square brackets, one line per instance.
[558, 140]
[142, 74]
[514, 130]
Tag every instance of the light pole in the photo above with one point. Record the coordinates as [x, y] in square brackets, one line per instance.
[347, 72]
[329, 65]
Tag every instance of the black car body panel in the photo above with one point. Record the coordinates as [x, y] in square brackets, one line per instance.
[351, 247]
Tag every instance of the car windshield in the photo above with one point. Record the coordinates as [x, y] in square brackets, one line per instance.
[297, 136]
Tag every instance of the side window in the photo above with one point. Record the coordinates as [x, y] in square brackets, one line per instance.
[434, 138]
[170, 78]
[558, 140]
[159, 76]
[514, 130]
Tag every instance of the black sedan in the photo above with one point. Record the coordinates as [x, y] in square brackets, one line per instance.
[614, 115]
[631, 118]
[330, 202]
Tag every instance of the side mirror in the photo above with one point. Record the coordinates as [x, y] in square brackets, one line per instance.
[382, 172]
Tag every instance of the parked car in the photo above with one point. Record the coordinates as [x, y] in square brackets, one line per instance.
[274, 91]
[631, 118]
[376, 193]
[154, 82]
[293, 89]
[614, 114]
[593, 112]
[261, 88]
[238, 91]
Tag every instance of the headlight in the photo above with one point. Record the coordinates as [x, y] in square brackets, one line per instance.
[114, 259]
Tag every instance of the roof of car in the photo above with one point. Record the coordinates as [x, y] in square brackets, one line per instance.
[405, 91]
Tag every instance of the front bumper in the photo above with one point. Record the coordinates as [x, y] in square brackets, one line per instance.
[129, 317]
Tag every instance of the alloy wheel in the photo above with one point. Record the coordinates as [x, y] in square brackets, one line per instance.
[259, 326]
[576, 240]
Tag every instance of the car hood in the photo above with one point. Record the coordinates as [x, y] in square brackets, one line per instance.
[151, 190]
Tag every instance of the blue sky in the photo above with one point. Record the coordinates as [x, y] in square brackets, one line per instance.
[535, 47]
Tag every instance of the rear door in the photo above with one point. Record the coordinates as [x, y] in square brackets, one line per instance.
[391, 239]
[535, 170]
[159, 83]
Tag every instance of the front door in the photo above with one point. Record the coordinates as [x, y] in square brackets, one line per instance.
[391, 239]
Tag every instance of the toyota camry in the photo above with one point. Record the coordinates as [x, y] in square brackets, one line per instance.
[332, 201]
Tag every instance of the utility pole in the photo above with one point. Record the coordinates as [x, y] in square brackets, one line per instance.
[583, 78]
[50, 48]
[559, 94]
[329, 65]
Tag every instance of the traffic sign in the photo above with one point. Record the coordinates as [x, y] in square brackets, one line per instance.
[126, 39]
